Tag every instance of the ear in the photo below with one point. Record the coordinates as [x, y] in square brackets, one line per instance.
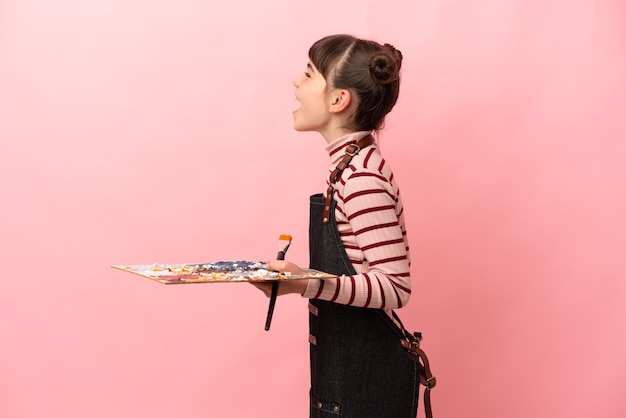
[340, 100]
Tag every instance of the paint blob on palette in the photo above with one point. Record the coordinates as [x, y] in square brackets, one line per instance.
[216, 272]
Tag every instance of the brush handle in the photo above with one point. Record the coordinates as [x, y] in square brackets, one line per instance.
[274, 295]
[270, 310]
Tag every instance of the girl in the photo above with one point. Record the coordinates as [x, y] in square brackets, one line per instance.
[359, 368]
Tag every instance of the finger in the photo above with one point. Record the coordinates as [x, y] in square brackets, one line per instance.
[263, 287]
[277, 265]
[283, 267]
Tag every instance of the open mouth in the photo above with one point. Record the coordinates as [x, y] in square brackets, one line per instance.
[297, 100]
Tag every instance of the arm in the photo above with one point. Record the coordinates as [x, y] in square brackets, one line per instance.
[369, 216]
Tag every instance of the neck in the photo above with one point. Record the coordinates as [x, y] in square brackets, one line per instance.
[333, 134]
[337, 126]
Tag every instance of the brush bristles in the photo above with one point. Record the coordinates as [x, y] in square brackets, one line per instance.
[285, 238]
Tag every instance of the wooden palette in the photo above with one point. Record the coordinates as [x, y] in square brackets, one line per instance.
[216, 272]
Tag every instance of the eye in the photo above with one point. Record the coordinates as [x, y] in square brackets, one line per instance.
[307, 75]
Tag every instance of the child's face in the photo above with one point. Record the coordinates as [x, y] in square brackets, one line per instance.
[311, 92]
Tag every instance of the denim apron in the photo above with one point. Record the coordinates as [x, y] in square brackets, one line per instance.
[359, 368]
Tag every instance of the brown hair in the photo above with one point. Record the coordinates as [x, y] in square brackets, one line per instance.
[369, 70]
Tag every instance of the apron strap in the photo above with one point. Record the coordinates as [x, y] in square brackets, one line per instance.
[412, 343]
[351, 151]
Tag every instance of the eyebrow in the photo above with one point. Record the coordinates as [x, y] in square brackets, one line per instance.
[310, 66]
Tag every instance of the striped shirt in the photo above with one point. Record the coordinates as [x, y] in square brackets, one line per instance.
[370, 220]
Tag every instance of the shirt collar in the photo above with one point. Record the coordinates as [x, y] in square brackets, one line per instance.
[335, 148]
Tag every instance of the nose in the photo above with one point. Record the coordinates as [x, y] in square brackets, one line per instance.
[296, 81]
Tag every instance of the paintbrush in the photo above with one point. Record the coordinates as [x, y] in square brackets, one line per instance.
[284, 241]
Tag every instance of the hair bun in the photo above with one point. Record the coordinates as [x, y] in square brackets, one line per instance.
[385, 65]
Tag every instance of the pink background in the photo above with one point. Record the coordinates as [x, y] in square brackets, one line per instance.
[160, 131]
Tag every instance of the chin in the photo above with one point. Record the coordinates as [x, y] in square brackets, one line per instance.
[298, 126]
[302, 126]
[303, 129]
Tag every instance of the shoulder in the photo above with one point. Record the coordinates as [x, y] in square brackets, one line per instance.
[370, 162]
[368, 171]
